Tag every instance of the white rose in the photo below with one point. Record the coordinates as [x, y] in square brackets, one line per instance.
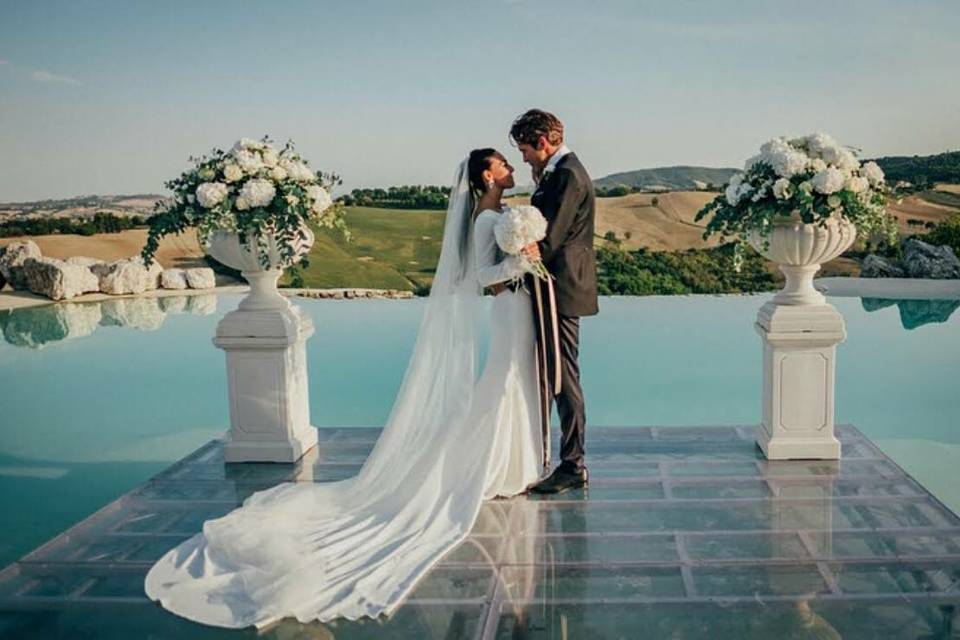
[245, 143]
[298, 171]
[834, 202]
[856, 184]
[805, 186]
[320, 198]
[784, 159]
[241, 203]
[210, 194]
[817, 143]
[292, 200]
[249, 161]
[828, 181]
[232, 172]
[872, 172]
[258, 193]
[782, 189]
[733, 196]
[817, 165]
[270, 157]
[278, 174]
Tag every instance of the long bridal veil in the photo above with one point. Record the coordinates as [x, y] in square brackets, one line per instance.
[356, 547]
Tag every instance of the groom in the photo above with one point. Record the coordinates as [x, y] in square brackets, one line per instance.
[564, 195]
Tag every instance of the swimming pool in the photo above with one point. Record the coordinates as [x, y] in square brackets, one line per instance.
[96, 397]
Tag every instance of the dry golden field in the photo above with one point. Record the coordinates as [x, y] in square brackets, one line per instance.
[181, 250]
[667, 225]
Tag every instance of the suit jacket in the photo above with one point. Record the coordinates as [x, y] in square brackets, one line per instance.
[565, 197]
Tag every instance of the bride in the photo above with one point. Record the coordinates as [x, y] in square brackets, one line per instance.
[357, 547]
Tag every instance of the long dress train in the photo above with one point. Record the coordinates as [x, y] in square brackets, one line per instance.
[357, 547]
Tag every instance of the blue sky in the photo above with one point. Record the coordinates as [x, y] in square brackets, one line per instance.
[112, 97]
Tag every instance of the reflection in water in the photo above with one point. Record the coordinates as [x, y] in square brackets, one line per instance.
[35, 327]
[915, 313]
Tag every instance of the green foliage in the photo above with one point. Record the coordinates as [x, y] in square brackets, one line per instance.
[922, 170]
[610, 236]
[404, 197]
[644, 272]
[614, 192]
[100, 223]
[946, 233]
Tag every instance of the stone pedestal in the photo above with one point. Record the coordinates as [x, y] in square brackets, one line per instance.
[799, 350]
[267, 382]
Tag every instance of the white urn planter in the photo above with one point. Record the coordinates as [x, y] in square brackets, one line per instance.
[799, 249]
[226, 248]
[265, 342]
[800, 332]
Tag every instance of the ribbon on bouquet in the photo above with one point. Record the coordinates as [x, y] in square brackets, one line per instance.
[547, 328]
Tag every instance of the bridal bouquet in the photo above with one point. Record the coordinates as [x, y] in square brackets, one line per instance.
[516, 227]
[254, 190]
[812, 177]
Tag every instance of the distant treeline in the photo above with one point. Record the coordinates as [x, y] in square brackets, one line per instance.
[644, 272]
[99, 223]
[922, 171]
[405, 197]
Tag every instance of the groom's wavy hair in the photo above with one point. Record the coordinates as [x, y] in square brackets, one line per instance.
[528, 128]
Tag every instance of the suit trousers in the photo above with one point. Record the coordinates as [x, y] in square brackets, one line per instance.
[570, 407]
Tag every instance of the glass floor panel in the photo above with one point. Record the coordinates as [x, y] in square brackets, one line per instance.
[683, 532]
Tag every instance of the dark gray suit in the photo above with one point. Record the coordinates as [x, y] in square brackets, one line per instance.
[565, 197]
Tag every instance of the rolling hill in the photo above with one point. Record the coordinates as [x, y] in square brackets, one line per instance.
[667, 178]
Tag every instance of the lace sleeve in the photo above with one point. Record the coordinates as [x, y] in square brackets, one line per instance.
[489, 269]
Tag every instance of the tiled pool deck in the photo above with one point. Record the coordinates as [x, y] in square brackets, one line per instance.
[684, 533]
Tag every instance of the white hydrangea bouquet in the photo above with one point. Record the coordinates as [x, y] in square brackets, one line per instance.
[517, 227]
[812, 177]
[253, 190]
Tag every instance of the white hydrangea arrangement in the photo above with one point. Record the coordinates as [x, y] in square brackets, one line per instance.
[254, 190]
[517, 227]
[812, 177]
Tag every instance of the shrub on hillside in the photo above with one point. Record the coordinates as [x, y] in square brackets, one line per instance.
[645, 272]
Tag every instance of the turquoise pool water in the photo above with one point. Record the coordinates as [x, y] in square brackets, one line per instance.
[95, 398]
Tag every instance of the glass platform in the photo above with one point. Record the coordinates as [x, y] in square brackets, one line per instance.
[683, 533]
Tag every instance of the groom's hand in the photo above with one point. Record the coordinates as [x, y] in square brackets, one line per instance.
[532, 250]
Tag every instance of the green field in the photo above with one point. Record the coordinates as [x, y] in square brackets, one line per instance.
[390, 249]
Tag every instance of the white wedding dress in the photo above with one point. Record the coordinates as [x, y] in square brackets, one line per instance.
[318, 551]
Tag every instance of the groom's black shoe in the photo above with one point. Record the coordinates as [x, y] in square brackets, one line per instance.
[561, 480]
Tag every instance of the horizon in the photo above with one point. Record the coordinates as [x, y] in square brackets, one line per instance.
[113, 99]
[341, 191]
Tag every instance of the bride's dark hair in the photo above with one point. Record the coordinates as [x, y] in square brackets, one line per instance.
[477, 163]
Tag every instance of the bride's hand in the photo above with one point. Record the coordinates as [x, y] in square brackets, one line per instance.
[532, 250]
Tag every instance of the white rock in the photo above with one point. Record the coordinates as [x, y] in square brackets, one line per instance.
[173, 279]
[154, 273]
[58, 280]
[12, 257]
[85, 261]
[128, 275]
[201, 278]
